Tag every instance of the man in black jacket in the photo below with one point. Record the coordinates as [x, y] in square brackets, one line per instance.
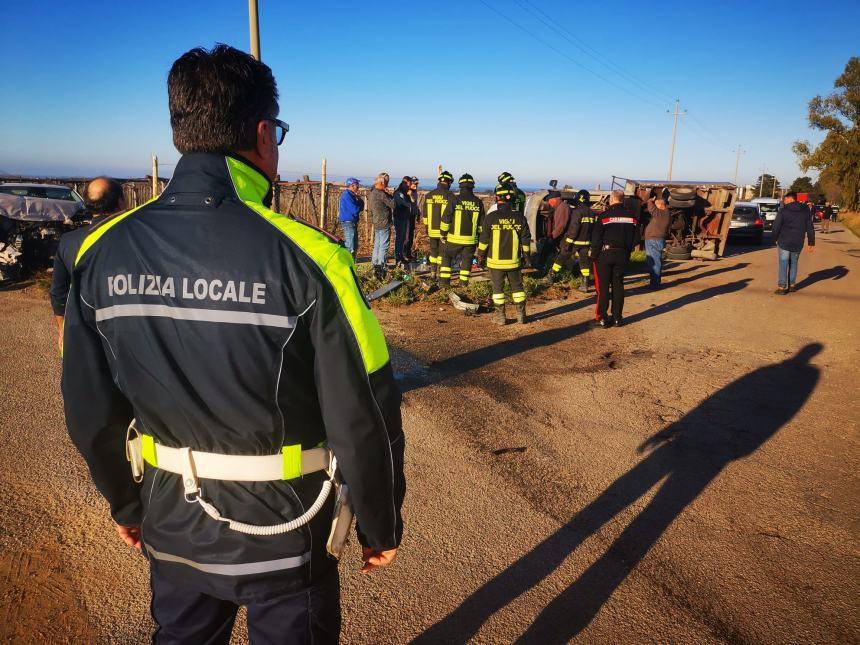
[793, 222]
[615, 235]
[103, 198]
[239, 342]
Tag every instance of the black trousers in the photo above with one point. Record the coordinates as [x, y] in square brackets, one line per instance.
[450, 252]
[307, 617]
[571, 253]
[410, 236]
[435, 256]
[609, 269]
[547, 250]
[515, 278]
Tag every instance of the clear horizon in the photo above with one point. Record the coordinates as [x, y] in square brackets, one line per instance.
[526, 92]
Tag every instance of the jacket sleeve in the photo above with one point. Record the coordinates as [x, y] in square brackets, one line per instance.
[597, 236]
[97, 413]
[360, 402]
[60, 282]
[575, 223]
[484, 240]
[810, 230]
[447, 216]
[402, 200]
[777, 225]
[482, 213]
[525, 236]
[560, 221]
[637, 237]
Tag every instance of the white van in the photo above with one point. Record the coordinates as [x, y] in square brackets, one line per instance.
[767, 207]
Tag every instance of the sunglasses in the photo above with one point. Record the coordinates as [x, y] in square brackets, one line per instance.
[281, 130]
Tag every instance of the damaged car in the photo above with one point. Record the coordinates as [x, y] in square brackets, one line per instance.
[32, 219]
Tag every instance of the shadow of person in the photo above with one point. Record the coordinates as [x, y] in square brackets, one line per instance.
[686, 456]
[483, 356]
[833, 273]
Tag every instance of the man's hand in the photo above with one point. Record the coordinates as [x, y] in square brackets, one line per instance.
[374, 559]
[131, 535]
[811, 248]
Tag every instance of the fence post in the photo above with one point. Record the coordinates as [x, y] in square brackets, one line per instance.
[322, 196]
[154, 176]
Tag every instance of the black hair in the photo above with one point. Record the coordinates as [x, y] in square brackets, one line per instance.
[104, 201]
[405, 185]
[792, 195]
[217, 98]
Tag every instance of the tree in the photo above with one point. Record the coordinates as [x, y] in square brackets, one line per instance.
[805, 185]
[837, 158]
[764, 186]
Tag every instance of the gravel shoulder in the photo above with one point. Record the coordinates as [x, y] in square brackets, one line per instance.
[689, 477]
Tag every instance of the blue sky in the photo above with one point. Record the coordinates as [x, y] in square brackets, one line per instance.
[479, 86]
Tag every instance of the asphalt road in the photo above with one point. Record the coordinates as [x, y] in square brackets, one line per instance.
[691, 477]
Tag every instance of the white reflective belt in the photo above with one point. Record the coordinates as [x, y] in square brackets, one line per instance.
[241, 569]
[237, 468]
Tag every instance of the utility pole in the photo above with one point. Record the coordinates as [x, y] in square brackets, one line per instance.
[154, 176]
[322, 195]
[676, 114]
[740, 151]
[254, 24]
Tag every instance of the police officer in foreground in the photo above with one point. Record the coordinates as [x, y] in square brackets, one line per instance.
[576, 244]
[434, 205]
[504, 245]
[615, 235]
[238, 341]
[460, 228]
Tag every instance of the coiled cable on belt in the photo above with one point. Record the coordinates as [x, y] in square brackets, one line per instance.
[271, 529]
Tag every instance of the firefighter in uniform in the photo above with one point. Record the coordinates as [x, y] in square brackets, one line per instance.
[518, 203]
[434, 205]
[615, 235]
[460, 228]
[256, 376]
[504, 244]
[577, 241]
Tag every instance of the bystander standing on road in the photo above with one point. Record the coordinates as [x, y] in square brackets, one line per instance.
[402, 219]
[415, 213]
[103, 198]
[793, 222]
[349, 210]
[826, 217]
[655, 238]
[381, 205]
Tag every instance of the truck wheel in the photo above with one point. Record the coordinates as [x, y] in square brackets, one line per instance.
[682, 203]
[683, 194]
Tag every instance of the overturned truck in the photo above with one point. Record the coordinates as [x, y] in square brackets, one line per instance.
[701, 212]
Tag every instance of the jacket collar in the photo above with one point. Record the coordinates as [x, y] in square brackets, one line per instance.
[219, 175]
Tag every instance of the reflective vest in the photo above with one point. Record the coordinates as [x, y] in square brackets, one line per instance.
[434, 206]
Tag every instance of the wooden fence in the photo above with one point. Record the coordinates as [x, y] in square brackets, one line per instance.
[301, 199]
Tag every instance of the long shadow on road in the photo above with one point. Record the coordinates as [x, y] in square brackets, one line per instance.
[483, 356]
[689, 454]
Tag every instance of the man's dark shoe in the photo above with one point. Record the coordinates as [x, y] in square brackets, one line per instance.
[619, 321]
[605, 323]
[781, 291]
[792, 287]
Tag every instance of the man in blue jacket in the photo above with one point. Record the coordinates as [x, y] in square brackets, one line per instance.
[351, 206]
[792, 223]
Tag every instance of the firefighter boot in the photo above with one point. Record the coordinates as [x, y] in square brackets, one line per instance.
[499, 315]
[521, 313]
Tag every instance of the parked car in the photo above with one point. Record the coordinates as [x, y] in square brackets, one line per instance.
[32, 218]
[818, 212]
[747, 222]
[768, 208]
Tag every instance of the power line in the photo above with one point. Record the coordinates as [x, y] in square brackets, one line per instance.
[567, 56]
[587, 49]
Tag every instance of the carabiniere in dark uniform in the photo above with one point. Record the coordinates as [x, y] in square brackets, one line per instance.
[615, 235]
